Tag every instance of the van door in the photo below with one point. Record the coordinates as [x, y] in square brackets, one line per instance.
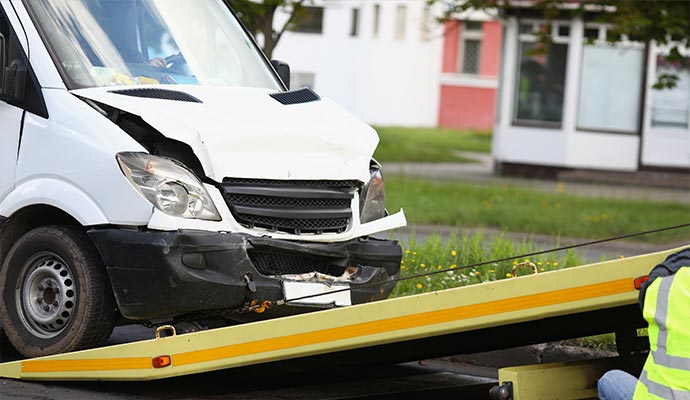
[10, 121]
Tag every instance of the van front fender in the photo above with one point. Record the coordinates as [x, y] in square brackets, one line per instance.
[57, 193]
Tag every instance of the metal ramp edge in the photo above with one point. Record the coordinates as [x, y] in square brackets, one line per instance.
[556, 293]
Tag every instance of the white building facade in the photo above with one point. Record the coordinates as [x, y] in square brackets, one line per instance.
[586, 103]
[379, 59]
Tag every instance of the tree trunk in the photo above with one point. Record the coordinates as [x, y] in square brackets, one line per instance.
[269, 35]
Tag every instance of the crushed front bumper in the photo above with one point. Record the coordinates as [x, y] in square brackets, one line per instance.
[158, 275]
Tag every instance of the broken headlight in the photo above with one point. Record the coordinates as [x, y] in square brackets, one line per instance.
[372, 203]
[168, 185]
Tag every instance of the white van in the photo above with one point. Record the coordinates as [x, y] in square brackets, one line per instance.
[155, 169]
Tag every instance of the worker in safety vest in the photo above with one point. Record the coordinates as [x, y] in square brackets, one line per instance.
[665, 302]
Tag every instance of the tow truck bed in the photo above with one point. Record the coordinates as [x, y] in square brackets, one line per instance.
[561, 304]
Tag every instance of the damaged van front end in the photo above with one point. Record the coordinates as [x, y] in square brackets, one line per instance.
[245, 209]
[167, 174]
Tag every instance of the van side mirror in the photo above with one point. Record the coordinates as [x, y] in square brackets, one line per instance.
[283, 70]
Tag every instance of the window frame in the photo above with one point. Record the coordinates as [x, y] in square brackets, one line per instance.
[400, 22]
[297, 27]
[355, 19]
[465, 36]
[623, 44]
[532, 37]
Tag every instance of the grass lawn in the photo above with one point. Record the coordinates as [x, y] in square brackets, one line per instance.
[531, 211]
[428, 144]
[438, 262]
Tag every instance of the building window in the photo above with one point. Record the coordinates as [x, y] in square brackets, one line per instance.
[540, 82]
[400, 17]
[354, 28]
[308, 20]
[610, 86]
[470, 47]
[671, 107]
[426, 23]
[377, 16]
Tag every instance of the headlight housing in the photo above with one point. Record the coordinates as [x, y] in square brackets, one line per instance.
[372, 203]
[168, 185]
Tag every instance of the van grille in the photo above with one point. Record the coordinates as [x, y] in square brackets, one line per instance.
[287, 264]
[297, 207]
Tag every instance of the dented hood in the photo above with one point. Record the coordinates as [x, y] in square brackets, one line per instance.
[245, 133]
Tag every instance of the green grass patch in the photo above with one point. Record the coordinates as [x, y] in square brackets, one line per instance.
[605, 342]
[439, 262]
[429, 144]
[516, 209]
[447, 257]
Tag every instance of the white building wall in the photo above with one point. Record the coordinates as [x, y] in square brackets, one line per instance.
[584, 148]
[380, 79]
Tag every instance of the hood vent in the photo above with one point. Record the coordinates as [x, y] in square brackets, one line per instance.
[304, 95]
[162, 94]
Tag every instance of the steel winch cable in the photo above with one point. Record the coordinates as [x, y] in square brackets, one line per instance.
[495, 261]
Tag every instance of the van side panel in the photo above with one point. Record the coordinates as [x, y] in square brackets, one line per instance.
[69, 161]
[10, 120]
[53, 191]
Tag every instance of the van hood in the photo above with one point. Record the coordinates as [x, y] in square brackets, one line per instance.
[245, 133]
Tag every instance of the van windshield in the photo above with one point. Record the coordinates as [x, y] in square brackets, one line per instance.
[137, 42]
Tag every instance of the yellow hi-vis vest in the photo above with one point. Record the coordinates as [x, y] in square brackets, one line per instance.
[666, 373]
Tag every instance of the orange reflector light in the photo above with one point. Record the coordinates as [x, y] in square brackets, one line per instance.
[640, 280]
[161, 361]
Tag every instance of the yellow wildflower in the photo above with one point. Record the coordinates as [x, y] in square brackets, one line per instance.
[509, 275]
[555, 264]
[453, 253]
[539, 263]
[419, 286]
[422, 265]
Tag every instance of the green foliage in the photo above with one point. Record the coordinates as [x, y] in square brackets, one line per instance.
[518, 209]
[439, 262]
[429, 144]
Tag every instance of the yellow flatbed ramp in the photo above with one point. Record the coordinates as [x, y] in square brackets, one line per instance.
[422, 325]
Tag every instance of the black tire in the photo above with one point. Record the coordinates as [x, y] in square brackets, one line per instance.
[55, 294]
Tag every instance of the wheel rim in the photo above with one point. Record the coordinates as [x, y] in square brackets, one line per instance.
[48, 295]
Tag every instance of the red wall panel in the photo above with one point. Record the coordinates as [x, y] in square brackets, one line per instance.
[467, 108]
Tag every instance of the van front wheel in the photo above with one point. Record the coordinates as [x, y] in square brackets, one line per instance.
[55, 293]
